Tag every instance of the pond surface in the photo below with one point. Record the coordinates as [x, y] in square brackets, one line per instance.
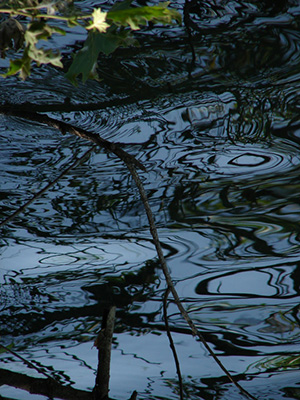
[211, 109]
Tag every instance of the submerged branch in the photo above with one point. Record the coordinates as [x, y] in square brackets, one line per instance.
[46, 387]
[169, 281]
[28, 363]
[131, 163]
[47, 187]
[103, 344]
[173, 348]
[64, 127]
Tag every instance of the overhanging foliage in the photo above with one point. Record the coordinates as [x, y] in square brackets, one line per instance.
[106, 32]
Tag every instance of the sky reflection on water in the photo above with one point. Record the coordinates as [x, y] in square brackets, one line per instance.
[220, 139]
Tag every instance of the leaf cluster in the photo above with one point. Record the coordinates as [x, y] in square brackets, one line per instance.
[106, 31]
[36, 31]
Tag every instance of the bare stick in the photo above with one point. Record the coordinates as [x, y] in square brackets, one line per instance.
[103, 344]
[172, 342]
[47, 187]
[131, 162]
[168, 278]
[82, 133]
[28, 363]
[45, 387]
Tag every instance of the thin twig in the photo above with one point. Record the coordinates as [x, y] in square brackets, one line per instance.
[131, 162]
[28, 363]
[45, 387]
[172, 342]
[47, 187]
[82, 133]
[186, 20]
[168, 278]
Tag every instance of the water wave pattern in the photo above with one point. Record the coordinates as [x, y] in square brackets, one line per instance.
[220, 140]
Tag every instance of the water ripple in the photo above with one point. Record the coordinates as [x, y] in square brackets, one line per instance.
[220, 139]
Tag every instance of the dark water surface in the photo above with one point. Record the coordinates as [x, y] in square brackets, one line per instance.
[212, 110]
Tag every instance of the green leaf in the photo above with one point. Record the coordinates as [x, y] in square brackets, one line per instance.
[85, 60]
[36, 31]
[21, 66]
[122, 5]
[14, 67]
[42, 56]
[121, 16]
[39, 30]
[72, 22]
[135, 17]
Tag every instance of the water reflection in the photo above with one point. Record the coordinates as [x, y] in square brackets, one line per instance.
[214, 118]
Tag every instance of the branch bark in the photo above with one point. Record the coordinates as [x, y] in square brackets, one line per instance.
[47, 187]
[64, 127]
[46, 387]
[131, 163]
[103, 344]
[169, 281]
[173, 348]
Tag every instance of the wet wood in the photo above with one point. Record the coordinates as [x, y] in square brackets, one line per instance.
[46, 387]
[103, 344]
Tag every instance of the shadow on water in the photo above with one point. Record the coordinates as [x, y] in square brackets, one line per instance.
[212, 110]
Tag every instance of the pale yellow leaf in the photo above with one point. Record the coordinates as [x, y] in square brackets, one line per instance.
[99, 19]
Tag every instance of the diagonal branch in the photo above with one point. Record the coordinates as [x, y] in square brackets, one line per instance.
[28, 363]
[44, 387]
[172, 342]
[82, 133]
[131, 163]
[168, 278]
[47, 187]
